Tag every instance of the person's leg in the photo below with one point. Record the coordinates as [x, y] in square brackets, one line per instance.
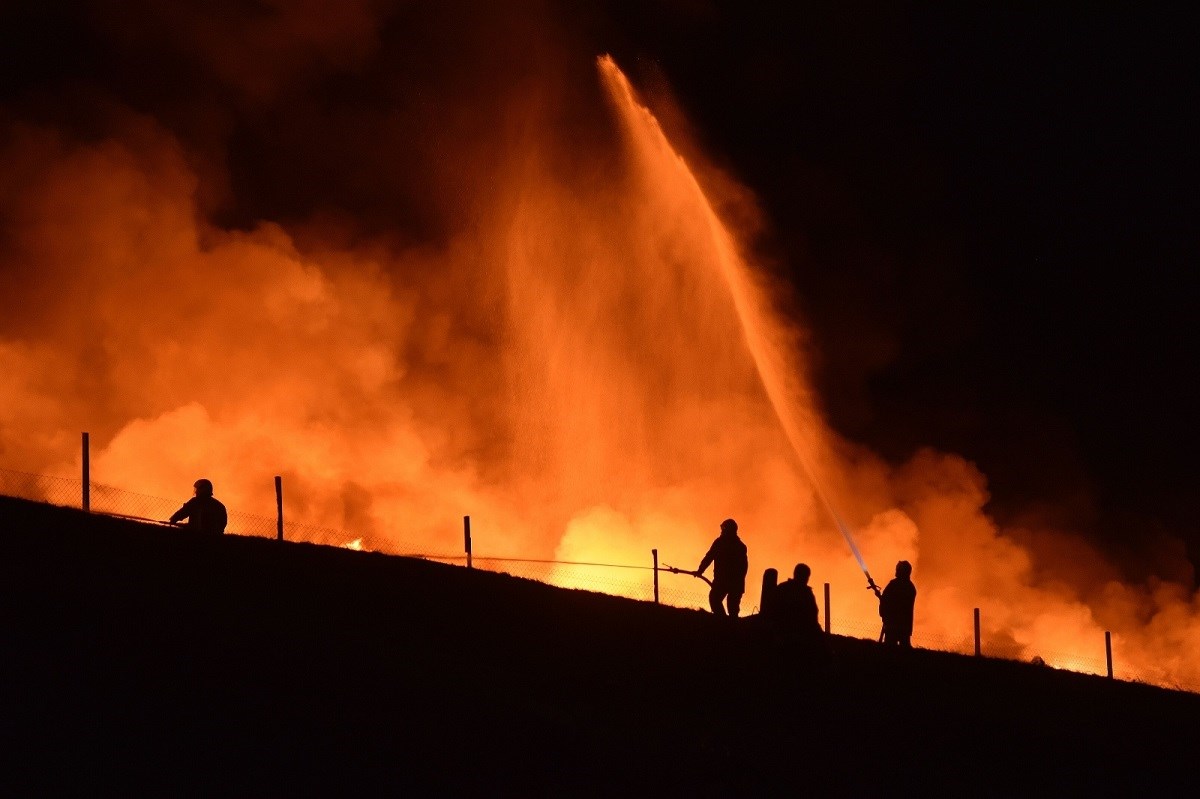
[735, 604]
[714, 601]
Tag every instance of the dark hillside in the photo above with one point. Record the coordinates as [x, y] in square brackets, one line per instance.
[141, 660]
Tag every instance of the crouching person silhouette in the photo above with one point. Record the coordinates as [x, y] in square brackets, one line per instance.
[204, 512]
[728, 556]
[795, 616]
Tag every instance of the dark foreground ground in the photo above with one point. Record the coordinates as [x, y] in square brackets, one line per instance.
[141, 661]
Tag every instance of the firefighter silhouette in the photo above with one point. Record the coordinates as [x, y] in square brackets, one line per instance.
[896, 607]
[204, 512]
[728, 556]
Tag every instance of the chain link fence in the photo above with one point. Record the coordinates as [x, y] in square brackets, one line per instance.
[633, 581]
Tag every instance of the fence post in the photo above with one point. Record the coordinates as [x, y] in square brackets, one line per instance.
[766, 598]
[279, 507]
[827, 608]
[654, 552]
[87, 474]
[977, 649]
[467, 538]
[1108, 651]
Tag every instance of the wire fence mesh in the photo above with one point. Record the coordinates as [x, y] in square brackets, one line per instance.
[42, 488]
[633, 581]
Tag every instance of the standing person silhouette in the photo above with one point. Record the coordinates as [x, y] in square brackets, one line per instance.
[728, 556]
[204, 512]
[896, 607]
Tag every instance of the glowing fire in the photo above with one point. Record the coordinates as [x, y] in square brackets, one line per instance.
[590, 367]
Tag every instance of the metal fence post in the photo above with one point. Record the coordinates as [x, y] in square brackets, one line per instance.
[467, 538]
[279, 507]
[87, 474]
[827, 608]
[654, 552]
[977, 649]
[1108, 651]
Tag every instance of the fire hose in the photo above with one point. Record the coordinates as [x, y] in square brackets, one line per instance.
[674, 570]
[878, 595]
[159, 522]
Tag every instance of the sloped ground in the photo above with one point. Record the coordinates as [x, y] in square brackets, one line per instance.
[142, 660]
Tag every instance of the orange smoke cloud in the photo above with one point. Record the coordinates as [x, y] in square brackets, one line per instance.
[589, 366]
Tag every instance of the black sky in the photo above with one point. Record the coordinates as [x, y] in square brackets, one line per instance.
[987, 215]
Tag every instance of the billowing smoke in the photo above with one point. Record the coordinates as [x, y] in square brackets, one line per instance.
[478, 282]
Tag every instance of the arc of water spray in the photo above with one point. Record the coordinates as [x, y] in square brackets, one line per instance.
[768, 358]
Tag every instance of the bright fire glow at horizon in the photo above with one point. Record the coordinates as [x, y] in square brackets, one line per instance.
[590, 367]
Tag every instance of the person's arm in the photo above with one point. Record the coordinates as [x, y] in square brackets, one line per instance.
[708, 558]
[182, 513]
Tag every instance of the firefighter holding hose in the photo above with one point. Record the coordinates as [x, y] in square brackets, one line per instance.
[204, 512]
[728, 556]
[896, 607]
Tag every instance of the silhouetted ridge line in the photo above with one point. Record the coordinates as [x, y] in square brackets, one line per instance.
[107, 498]
[181, 663]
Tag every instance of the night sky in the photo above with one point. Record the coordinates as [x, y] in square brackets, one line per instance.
[987, 216]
